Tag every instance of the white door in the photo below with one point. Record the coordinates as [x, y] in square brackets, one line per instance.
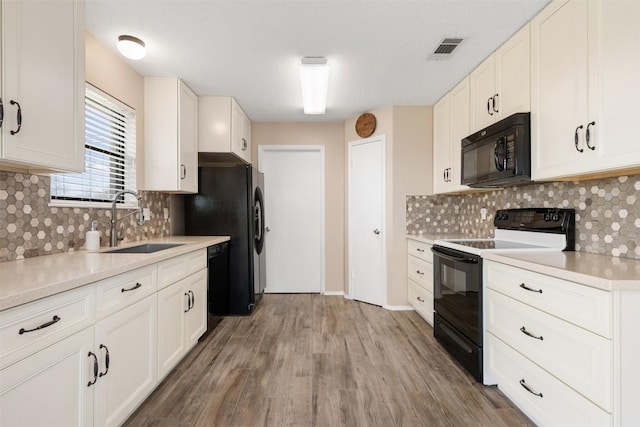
[294, 217]
[366, 220]
[172, 344]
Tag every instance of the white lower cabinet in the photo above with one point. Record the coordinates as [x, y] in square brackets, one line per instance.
[182, 319]
[50, 387]
[545, 399]
[77, 359]
[420, 283]
[126, 345]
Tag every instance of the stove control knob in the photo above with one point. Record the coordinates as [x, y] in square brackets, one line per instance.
[547, 217]
[556, 217]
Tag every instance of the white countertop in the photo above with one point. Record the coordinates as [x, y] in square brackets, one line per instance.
[597, 271]
[431, 238]
[39, 277]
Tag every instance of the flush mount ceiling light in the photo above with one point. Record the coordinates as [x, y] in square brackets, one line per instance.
[131, 47]
[314, 78]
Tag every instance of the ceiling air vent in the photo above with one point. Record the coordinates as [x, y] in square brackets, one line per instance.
[445, 48]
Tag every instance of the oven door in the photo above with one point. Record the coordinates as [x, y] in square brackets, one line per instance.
[457, 291]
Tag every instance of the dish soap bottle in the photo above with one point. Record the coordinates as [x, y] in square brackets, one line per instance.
[93, 238]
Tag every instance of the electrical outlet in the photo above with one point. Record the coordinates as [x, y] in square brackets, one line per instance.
[483, 214]
[146, 214]
[166, 213]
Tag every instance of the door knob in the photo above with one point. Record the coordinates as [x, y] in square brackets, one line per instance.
[376, 231]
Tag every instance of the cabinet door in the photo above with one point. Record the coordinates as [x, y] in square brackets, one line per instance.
[513, 78]
[188, 139]
[43, 60]
[239, 144]
[559, 89]
[459, 98]
[196, 317]
[614, 37]
[482, 86]
[172, 306]
[246, 138]
[128, 339]
[50, 387]
[441, 144]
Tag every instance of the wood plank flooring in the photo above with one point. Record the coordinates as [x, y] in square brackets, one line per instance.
[312, 360]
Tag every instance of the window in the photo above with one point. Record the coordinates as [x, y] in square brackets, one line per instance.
[110, 155]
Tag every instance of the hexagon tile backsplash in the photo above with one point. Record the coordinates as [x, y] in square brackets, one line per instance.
[607, 212]
[29, 227]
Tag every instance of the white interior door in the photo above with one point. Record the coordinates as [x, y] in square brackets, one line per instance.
[366, 220]
[294, 217]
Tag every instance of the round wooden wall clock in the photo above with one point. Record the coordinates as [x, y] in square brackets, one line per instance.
[365, 125]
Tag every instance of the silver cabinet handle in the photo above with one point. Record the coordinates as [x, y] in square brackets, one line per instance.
[525, 287]
[527, 333]
[267, 229]
[183, 171]
[376, 231]
[587, 136]
[493, 102]
[420, 250]
[523, 383]
[244, 144]
[18, 117]
[419, 299]
[420, 272]
[575, 139]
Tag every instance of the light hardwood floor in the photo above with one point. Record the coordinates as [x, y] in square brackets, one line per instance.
[312, 360]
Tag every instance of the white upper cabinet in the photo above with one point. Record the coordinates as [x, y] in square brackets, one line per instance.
[500, 86]
[43, 85]
[450, 126]
[171, 136]
[584, 99]
[224, 127]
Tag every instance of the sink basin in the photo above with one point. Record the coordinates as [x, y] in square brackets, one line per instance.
[144, 249]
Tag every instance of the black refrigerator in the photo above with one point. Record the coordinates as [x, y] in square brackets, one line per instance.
[230, 203]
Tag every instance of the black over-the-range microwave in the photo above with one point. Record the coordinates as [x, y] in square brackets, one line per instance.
[499, 155]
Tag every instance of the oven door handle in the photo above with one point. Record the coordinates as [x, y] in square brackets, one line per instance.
[454, 258]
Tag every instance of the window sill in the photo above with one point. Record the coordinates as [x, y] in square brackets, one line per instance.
[84, 205]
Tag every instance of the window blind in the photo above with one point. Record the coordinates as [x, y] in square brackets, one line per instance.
[110, 154]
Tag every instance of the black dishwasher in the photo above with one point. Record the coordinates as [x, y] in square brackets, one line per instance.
[217, 283]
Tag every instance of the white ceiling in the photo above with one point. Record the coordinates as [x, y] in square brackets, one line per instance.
[249, 49]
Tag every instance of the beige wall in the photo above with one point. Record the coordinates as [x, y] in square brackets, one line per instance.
[107, 71]
[408, 150]
[331, 135]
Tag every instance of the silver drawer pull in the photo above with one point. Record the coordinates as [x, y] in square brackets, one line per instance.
[55, 319]
[419, 250]
[137, 286]
[526, 387]
[420, 272]
[523, 286]
[419, 299]
[524, 331]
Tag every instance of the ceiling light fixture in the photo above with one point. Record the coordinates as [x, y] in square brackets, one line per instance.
[314, 78]
[131, 47]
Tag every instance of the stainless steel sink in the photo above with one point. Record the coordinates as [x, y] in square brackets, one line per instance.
[144, 249]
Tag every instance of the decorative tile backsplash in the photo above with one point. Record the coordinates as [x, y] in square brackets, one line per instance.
[29, 227]
[607, 212]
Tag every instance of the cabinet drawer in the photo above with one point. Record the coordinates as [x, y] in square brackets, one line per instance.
[420, 249]
[75, 310]
[421, 300]
[579, 358]
[174, 269]
[557, 405]
[586, 307]
[120, 291]
[420, 272]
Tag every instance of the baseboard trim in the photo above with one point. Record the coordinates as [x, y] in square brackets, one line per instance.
[398, 307]
[349, 297]
[330, 293]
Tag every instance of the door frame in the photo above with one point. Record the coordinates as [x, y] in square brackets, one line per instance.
[262, 150]
[351, 144]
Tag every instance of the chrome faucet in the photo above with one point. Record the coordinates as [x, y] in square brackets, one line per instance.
[114, 220]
